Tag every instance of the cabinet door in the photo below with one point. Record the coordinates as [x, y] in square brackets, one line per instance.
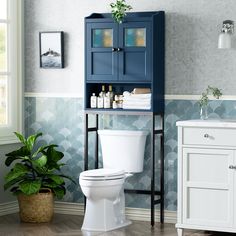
[102, 61]
[207, 187]
[135, 54]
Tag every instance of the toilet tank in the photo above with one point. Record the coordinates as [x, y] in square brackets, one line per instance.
[123, 149]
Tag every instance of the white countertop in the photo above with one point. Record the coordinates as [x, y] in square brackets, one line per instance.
[220, 123]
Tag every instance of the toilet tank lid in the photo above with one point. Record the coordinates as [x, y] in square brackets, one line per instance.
[123, 132]
[103, 172]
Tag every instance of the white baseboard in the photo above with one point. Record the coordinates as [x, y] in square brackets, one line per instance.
[69, 208]
[8, 208]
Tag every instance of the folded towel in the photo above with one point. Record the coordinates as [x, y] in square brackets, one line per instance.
[137, 107]
[141, 103]
[137, 100]
[127, 94]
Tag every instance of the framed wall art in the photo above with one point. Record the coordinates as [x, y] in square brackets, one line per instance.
[51, 47]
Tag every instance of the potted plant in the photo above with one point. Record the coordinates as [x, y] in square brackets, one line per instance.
[203, 101]
[119, 9]
[35, 177]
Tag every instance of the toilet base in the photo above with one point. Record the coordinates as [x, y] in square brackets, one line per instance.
[124, 224]
[105, 214]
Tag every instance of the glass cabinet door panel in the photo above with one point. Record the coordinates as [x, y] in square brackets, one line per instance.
[102, 38]
[135, 37]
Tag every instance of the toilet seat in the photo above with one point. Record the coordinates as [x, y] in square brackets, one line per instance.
[102, 174]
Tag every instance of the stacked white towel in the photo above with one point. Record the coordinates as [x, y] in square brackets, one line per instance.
[137, 101]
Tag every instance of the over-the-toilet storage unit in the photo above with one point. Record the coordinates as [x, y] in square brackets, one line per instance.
[206, 175]
[125, 62]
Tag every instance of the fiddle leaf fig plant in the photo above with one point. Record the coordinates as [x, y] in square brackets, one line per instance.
[35, 169]
[210, 90]
[119, 9]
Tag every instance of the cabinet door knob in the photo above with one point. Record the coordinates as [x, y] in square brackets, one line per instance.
[232, 167]
[206, 135]
[113, 49]
[119, 49]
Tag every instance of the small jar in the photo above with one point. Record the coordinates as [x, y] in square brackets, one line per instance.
[114, 105]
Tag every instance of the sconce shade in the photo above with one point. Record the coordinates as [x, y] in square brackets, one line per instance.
[224, 41]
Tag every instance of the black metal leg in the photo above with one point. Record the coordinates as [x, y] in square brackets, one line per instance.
[96, 144]
[86, 142]
[85, 148]
[153, 171]
[162, 174]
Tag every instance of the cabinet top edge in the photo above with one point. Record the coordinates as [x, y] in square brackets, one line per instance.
[214, 123]
[128, 15]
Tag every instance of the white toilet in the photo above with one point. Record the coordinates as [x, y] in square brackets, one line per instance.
[123, 155]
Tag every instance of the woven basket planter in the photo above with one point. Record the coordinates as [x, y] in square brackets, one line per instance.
[36, 208]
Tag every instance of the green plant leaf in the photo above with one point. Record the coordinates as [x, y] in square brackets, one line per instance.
[41, 149]
[10, 159]
[21, 152]
[68, 177]
[31, 140]
[20, 137]
[18, 171]
[54, 155]
[29, 187]
[9, 184]
[40, 162]
[57, 179]
[59, 192]
[49, 184]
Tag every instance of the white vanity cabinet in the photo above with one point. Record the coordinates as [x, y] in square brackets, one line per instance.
[206, 175]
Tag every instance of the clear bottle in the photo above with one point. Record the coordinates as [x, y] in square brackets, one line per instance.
[93, 101]
[100, 102]
[103, 92]
[107, 101]
[111, 94]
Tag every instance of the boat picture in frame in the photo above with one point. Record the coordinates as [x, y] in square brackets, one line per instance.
[51, 49]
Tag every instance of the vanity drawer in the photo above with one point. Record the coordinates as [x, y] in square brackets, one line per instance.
[209, 136]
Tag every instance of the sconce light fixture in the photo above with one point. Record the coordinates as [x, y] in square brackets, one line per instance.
[227, 30]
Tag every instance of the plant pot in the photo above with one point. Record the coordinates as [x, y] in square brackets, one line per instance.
[36, 208]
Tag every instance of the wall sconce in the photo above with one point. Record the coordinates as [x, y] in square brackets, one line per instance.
[227, 30]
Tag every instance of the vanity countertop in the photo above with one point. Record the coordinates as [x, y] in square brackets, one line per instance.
[217, 123]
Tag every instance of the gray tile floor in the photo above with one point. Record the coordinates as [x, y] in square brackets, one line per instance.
[69, 225]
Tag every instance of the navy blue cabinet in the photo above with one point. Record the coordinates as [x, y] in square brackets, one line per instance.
[127, 55]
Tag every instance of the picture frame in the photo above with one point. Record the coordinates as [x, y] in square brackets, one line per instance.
[51, 49]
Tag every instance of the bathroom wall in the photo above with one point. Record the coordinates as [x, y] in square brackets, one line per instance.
[192, 58]
[54, 98]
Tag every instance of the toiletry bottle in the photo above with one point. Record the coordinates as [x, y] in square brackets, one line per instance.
[107, 101]
[93, 101]
[102, 93]
[111, 94]
[100, 103]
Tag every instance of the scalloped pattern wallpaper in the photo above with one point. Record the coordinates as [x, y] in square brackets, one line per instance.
[61, 121]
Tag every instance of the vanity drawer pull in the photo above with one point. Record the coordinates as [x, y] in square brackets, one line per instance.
[232, 167]
[206, 135]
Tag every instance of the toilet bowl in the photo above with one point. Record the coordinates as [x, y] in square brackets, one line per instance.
[104, 188]
[105, 199]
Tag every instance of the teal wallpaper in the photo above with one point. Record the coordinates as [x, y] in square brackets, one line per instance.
[62, 122]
